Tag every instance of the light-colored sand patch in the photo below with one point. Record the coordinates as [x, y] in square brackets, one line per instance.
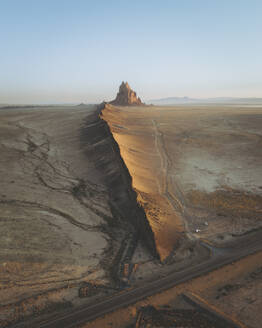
[206, 172]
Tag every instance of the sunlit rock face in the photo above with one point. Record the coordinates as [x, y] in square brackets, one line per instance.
[141, 148]
[195, 170]
[126, 96]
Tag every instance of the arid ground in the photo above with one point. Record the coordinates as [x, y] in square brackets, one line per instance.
[196, 169]
[53, 212]
[198, 177]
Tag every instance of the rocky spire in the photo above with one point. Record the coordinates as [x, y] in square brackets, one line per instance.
[126, 96]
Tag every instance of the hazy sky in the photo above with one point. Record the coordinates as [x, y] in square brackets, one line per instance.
[80, 50]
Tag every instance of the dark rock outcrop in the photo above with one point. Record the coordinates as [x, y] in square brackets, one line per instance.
[126, 96]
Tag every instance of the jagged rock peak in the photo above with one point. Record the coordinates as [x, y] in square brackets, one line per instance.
[126, 96]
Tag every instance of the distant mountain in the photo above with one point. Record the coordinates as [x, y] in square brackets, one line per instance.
[233, 100]
[171, 101]
[218, 100]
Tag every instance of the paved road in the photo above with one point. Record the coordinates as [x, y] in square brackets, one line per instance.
[77, 317]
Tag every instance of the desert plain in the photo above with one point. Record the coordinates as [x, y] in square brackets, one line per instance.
[197, 175]
[203, 163]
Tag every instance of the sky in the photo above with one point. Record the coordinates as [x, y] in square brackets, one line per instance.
[72, 51]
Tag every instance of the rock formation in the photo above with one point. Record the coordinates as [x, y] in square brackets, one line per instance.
[126, 96]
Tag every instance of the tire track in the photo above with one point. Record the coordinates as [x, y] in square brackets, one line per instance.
[166, 164]
[177, 202]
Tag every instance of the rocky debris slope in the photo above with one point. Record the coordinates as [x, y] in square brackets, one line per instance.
[126, 96]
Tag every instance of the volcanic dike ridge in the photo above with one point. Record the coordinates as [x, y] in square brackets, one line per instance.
[152, 218]
[105, 152]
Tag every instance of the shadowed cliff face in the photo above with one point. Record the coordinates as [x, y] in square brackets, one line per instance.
[105, 152]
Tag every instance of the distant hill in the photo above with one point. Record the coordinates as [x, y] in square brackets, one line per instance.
[218, 100]
[171, 101]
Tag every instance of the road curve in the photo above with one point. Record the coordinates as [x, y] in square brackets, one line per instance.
[79, 316]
